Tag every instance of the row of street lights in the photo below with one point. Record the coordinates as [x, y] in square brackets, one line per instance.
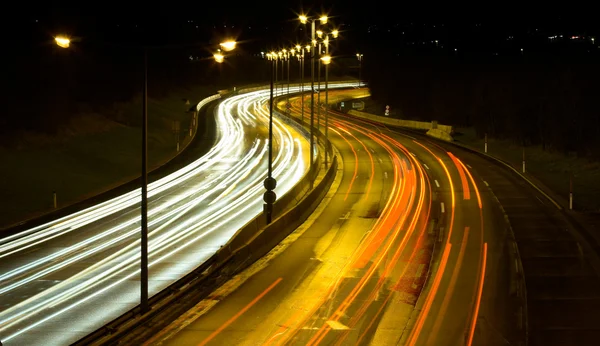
[318, 39]
[227, 46]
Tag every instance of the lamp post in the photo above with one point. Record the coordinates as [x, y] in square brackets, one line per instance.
[326, 61]
[304, 19]
[360, 59]
[270, 183]
[64, 42]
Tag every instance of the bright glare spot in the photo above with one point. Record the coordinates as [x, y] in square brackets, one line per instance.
[323, 19]
[228, 45]
[219, 57]
[303, 19]
[62, 41]
[335, 33]
[326, 59]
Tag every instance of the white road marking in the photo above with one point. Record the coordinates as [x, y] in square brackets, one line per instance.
[486, 183]
[469, 166]
[442, 205]
[413, 154]
[436, 183]
[385, 175]
[425, 165]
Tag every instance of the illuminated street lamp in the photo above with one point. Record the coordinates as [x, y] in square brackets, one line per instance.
[219, 57]
[304, 20]
[62, 41]
[228, 45]
[360, 59]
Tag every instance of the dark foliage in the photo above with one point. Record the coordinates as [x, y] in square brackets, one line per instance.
[550, 100]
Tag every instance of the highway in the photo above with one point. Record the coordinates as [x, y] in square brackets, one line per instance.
[410, 246]
[64, 279]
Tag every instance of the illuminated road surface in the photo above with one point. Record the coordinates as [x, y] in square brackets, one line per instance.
[402, 251]
[63, 280]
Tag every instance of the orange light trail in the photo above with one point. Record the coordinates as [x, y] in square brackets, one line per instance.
[463, 177]
[479, 294]
[450, 290]
[472, 182]
[318, 337]
[239, 313]
[436, 283]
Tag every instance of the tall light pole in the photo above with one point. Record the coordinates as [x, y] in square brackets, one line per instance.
[65, 42]
[319, 88]
[304, 20]
[270, 183]
[144, 202]
[287, 99]
[360, 59]
[326, 61]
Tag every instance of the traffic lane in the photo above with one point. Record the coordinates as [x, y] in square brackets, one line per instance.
[562, 298]
[294, 265]
[498, 321]
[57, 269]
[499, 303]
[351, 312]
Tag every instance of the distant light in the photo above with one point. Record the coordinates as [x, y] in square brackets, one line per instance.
[335, 33]
[62, 41]
[319, 33]
[303, 19]
[323, 19]
[307, 47]
[219, 57]
[228, 45]
[326, 59]
[298, 47]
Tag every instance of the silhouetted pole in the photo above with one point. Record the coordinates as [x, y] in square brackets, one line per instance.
[319, 95]
[144, 182]
[312, 94]
[326, 99]
[302, 86]
[270, 182]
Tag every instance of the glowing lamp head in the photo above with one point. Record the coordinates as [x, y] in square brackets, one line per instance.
[326, 60]
[298, 47]
[335, 33]
[303, 19]
[228, 45]
[323, 19]
[314, 42]
[62, 41]
[219, 57]
[307, 47]
[319, 33]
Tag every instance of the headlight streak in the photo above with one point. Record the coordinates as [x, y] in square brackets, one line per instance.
[102, 235]
[165, 236]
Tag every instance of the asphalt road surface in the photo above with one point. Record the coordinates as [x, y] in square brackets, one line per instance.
[410, 246]
[64, 279]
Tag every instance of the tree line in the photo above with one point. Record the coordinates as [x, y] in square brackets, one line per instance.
[550, 101]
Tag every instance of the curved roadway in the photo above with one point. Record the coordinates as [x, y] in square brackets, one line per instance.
[408, 247]
[64, 279]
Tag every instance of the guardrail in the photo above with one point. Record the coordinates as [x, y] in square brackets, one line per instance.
[250, 243]
[99, 198]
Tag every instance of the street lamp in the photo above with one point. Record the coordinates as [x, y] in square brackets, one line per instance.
[304, 19]
[64, 42]
[228, 45]
[360, 59]
[270, 183]
[219, 57]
